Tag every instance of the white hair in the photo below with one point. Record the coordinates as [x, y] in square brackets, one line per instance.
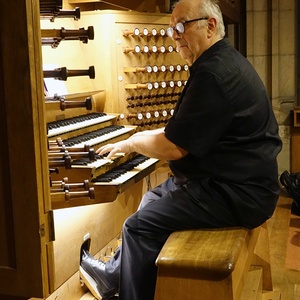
[209, 8]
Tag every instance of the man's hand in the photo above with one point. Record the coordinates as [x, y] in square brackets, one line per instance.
[151, 143]
[112, 149]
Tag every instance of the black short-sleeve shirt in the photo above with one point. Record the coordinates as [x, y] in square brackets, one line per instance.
[225, 122]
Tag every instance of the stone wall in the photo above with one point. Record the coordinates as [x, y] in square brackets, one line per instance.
[271, 49]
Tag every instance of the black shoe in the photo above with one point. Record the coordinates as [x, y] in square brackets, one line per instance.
[92, 273]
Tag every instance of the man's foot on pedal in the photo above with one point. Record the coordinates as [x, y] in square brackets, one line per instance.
[92, 273]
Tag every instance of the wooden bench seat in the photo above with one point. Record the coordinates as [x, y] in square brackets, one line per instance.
[210, 263]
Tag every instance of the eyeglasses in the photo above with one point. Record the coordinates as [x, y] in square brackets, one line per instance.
[179, 27]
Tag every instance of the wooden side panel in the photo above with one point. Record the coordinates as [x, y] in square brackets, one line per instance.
[22, 257]
[7, 245]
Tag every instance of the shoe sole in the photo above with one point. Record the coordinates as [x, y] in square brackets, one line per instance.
[89, 282]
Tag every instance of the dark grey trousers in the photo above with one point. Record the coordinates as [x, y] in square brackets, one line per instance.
[164, 209]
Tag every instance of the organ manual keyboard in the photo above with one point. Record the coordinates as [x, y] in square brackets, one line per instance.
[74, 124]
[70, 140]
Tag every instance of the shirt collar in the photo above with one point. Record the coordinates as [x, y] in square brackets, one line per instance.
[209, 52]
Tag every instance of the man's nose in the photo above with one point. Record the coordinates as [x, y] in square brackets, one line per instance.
[176, 35]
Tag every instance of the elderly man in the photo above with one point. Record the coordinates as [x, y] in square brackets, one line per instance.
[221, 143]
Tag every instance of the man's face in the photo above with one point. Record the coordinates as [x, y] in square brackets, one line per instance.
[194, 41]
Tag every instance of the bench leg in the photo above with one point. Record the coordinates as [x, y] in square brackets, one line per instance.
[261, 258]
[170, 288]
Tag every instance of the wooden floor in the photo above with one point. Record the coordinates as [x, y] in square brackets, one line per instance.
[285, 278]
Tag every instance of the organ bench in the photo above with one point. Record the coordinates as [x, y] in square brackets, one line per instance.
[212, 263]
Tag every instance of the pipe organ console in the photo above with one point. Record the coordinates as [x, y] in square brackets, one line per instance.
[134, 83]
[122, 74]
[148, 74]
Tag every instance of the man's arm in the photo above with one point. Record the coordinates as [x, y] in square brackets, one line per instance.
[151, 143]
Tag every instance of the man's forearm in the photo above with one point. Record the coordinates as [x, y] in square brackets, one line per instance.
[155, 144]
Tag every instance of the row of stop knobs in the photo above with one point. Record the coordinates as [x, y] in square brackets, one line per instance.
[145, 32]
[148, 115]
[156, 69]
[150, 49]
[156, 84]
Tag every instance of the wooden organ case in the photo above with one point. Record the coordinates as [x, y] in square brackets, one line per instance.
[53, 200]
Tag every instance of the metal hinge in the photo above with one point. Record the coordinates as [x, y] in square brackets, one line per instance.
[50, 226]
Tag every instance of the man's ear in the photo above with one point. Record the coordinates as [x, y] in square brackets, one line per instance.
[212, 25]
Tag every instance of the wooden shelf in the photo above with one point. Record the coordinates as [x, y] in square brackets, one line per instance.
[136, 5]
